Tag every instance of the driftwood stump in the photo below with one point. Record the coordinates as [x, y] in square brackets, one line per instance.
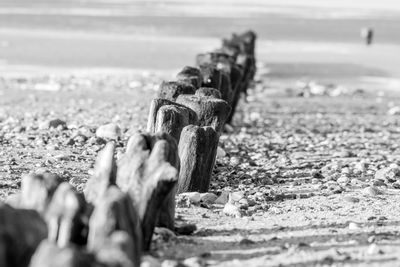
[208, 91]
[219, 79]
[105, 171]
[148, 171]
[210, 111]
[66, 215]
[36, 191]
[197, 150]
[226, 63]
[21, 232]
[171, 90]
[169, 117]
[191, 75]
[115, 212]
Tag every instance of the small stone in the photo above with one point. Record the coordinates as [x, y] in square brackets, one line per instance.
[208, 198]
[149, 261]
[371, 191]
[344, 180]
[185, 228]
[223, 198]
[374, 249]
[351, 199]
[245, 241]
[109, 131]
[353, 226]
[220, 153]
[236, 196]
[164, 234]
[194, 262]
[194, 197]
[57, 123]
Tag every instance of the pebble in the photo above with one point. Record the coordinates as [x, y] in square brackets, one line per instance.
[344, 180]
[194, 262]
[223, 198]
[194, 197]
[149, 261]
[371, 191]
[208, 198]
[353, 226]
[374, 249]
[220, 153]
[232, 210]
[109, 131]
[351, 199]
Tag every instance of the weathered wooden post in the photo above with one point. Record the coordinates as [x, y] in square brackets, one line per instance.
[66, 215]
[169, 117]
[191, 75]
[198, 143]
[21, 232]
[170, 90]
[219, 79]
[148, 171]
[210, 111]
[208, 92]
[104, 176]
[197, 149]
[115, 212]
[36, 191]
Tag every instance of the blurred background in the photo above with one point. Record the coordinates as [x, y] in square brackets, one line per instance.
[312, 38]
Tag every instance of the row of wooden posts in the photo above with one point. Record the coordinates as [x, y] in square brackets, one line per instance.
[50, 224]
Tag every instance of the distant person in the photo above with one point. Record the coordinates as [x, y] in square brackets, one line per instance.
[368, 34]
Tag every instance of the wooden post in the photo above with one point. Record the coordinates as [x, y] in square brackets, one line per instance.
[197, 150]
[21, 232]
[171, 90]
[219, 79]
[36, 191]
[208, 92]
[115, 212]
[65, 216]
[148, 171]
[210, 111]
[191, 75]
[104, 175]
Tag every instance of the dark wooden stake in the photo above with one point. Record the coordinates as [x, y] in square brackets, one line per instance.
[171, 90]
[66, 215]
[191, 75]
[210, 111]
[21, 232]
[197, 150]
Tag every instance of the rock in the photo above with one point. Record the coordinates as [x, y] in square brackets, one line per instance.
[57, 123]
[394, 111]
[353, 226]
[194, 197]
[374, 249]
[194, 262]
[109, 131]
[371, 191]
[351, 199]
[164, 234]
[172, 263]
[149, 261]
[245, 241]
[230, 209]
[208, 198]
[343, 180]
[220, 153]
[223, 198]
[185, 229]
[236, 196]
